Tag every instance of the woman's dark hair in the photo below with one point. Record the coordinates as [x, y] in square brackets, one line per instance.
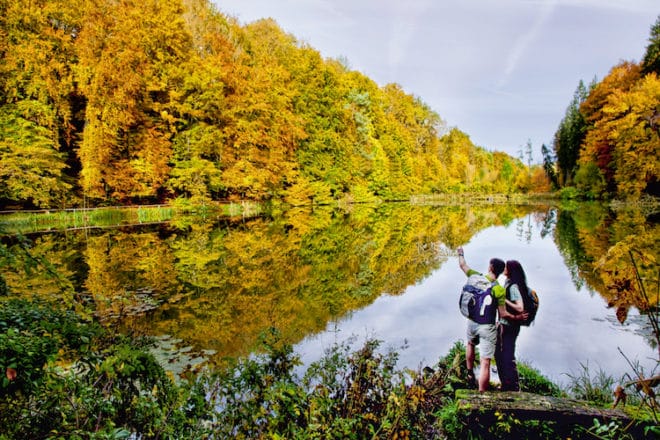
[516, 275]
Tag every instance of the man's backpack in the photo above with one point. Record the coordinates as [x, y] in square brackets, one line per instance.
[477, 301]
[530, 303]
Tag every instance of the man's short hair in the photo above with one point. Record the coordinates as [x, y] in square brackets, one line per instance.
[498, 266]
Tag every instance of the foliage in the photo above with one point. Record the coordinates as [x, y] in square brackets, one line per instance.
[532, 381]
[612, 430]
[63, 377]
[589, 182]
[110, 387]
[31, 168]
[549, 160]
[595, 388]
[343, 395]
[608, 139]
[651, 60]
[32, 335]
[149, 101]
[569, 135]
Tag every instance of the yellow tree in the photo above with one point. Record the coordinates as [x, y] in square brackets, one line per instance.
[632, 126]
[409, 135]
[597, 148]
[126, 52]
[454, 154]
[321, 103]
[262, 130]
[200, 105]
[36, 91]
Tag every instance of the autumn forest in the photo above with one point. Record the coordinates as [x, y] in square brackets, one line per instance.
[107, 102]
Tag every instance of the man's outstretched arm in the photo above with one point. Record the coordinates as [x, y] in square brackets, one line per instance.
[461, 261]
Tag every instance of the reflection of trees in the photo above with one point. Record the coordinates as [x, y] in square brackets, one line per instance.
[548, 222]
[301, 270]
[47, 268]
[569, 245]
[602, 248]
[128, 271]
[221, 285]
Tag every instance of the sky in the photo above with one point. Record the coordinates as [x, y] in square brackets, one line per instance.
[502, 71]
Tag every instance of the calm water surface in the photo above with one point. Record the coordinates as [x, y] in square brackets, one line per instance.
[387, 272]
[574, 326]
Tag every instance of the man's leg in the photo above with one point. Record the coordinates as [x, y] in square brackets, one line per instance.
[487, 342]
[484, 374]
[469, 363]
[469, 356]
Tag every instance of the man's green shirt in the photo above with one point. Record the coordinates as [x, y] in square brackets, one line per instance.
[498, 291]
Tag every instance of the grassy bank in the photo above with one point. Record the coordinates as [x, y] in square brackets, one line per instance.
[24, 222]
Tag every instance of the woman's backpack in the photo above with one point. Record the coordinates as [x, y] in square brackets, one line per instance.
[530, 304]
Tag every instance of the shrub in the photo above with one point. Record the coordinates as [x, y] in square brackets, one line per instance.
[531, 380]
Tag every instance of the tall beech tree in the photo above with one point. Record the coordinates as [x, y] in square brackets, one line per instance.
[322, 154]
[628, 124]
[597, 166]
[263, 131]
[200, 109]
[127, 51]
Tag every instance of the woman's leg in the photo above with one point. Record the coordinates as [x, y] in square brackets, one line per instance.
[505, 357]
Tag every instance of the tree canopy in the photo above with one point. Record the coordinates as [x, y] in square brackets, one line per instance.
[607, 145]
[105, 102]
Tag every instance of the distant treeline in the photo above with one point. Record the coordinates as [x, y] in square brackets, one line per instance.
[105, 102]
[608, 143]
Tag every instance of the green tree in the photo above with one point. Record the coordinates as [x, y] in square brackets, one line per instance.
[651, 60]
[549, 162]
[322, 155]
[31, 167]
[569, 135]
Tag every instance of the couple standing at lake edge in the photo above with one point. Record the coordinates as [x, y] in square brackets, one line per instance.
[497, 339]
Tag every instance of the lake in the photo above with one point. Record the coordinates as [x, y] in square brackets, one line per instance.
[389, 272]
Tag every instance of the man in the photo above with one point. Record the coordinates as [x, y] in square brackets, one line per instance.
[484, 335]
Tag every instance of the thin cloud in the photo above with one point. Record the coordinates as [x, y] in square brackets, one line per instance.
[650, 6]
[526, 40]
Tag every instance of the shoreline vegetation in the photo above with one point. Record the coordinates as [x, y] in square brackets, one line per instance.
[183, 104]
[72, 378]
[43, 220]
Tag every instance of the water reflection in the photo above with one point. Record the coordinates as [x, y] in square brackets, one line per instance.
[574, 324]
[385, 271]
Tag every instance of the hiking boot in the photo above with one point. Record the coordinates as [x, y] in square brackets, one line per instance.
[471, 381]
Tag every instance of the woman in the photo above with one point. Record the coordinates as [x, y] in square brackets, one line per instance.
[508, 328]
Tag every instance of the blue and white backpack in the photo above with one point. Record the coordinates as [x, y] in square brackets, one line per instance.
[477, 301]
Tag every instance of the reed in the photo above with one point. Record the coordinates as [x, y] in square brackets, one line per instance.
[46, 220]
[25, 222]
